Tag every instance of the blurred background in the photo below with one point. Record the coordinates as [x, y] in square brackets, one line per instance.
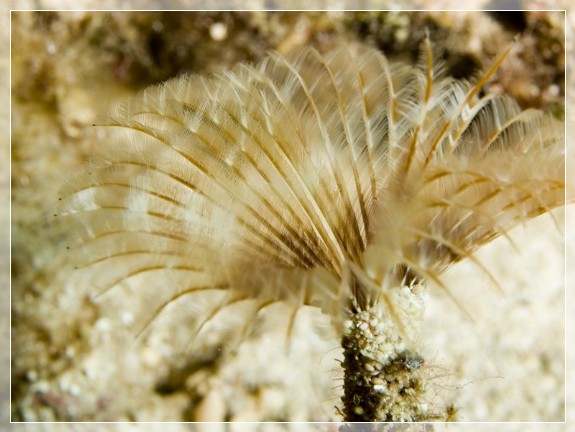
[71, 357]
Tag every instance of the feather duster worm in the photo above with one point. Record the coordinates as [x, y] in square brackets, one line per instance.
[340, 181]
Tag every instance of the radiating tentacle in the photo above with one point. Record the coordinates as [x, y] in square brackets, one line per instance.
[308, 179]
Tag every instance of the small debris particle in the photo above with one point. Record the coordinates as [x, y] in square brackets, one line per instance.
[218, 31]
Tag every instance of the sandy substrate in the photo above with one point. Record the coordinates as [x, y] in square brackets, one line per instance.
[74, 359]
